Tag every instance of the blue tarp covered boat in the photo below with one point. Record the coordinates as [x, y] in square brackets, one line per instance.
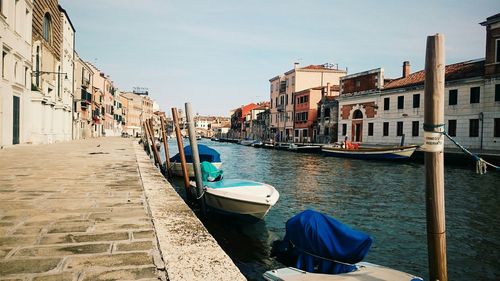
[319, 243]
[206, 153]
[318, 247]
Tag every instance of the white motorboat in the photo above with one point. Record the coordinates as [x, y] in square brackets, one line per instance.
[241, 197]
[247, 142]
[364, 272]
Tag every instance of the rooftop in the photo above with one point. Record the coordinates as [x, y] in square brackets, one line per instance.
[461, 70]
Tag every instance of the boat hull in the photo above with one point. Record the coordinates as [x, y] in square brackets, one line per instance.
[177, 168]
[240, 197]
[392, 153]
[365, 272]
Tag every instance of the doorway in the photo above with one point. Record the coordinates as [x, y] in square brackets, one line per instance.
[15, 121]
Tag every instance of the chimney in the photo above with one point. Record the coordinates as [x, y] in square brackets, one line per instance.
[327, 89]
[296, 65]
[406, 69]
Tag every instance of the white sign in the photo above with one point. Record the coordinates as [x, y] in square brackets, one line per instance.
[433, 142]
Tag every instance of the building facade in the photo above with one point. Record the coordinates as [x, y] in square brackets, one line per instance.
[82, 102]
[284, 87]
[51, 107]
[389, 113]
[15, 67]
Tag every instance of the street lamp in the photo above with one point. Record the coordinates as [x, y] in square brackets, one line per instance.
[38, 73]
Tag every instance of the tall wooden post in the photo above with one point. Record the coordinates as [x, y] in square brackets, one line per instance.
[149, 124]
[178, 135]
[165, 146]
[195, 156]
[434, 157]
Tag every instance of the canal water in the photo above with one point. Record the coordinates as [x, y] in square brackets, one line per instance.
[383, 199]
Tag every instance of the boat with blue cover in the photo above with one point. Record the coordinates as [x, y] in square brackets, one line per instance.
[318, 247]
[206, 153]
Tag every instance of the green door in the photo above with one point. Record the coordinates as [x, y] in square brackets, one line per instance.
[15, 121]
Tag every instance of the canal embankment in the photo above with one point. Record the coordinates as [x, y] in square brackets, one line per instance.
[98, 209]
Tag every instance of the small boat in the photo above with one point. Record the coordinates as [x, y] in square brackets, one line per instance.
[268, 145]
[240, 197]
[305, 148]
[257, 143]
[378, 153]
[247, 142]
[206, 154]
[282, 146]
[318, 247]
[198, 137]
[214, 139]
[365, 271]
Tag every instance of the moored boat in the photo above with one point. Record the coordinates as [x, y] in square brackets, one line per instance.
[247, 142]
[240, 197]
[206, 154]
[318, 247]
[305, 148]
[379, 153]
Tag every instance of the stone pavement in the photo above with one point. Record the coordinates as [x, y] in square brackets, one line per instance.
[78, 211]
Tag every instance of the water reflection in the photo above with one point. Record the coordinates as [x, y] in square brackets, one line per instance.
[383, 199]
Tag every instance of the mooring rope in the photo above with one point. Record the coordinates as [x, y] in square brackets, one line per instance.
[481, 164]
[316, 256]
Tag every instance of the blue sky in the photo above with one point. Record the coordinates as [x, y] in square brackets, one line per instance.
[219, 55]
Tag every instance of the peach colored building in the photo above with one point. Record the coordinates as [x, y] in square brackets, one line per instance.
[284, 87]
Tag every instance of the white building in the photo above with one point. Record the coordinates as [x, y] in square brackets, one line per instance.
[50, 107]
[15, 67]
[384, 113]
[66, 107]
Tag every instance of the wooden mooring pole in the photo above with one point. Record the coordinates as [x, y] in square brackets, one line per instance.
[195, 156]
[434, 156]
[165, 146]
[180, 145]
[156, 155]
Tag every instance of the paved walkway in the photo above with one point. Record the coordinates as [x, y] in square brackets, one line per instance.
[78, 211]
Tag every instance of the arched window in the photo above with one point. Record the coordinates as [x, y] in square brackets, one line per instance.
[47, 26]
[357, 114]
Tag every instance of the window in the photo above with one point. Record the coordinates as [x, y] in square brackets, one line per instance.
[497, 53]
[474, 94]
[47, 22]
[414, 128]
[401, 102]
[497, 92]
[386, 103]
[453, 97]
[293, 80]
[496, 128]
[357, 114]
[4, 55]
[344, 129]
[1, 7]
[386, 129]
[474, 128]
[327, 113]
[370, 129]
[452, 128]
[286, 99]
[416, 101]
[399, 130]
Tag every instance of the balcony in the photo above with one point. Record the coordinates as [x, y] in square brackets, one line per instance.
[280, 107]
